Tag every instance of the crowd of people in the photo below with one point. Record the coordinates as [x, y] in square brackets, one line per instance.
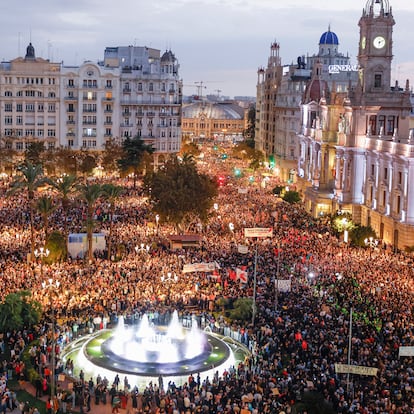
[342, 305]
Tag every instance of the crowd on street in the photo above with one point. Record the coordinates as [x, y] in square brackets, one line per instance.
[296, 338]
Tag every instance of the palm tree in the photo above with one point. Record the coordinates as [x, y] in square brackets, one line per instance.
[90, 193]
[111, 192]
[65, 187]
[45, 207]
[30, 178]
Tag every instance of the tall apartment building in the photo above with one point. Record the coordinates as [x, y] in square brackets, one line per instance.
[133, 91]
[30, 101]
[357, 147]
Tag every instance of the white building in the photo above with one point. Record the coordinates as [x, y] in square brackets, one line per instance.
[134, 92]
[357, 149]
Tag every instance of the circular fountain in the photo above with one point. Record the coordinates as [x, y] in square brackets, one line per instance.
[145, 351]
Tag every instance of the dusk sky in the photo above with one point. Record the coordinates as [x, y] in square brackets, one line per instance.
[219, 42]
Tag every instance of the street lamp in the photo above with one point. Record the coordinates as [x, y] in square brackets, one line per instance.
[371, 243]
[157, 220]
[171, 278]
[144, 248]
[41, 252]
[52, 287]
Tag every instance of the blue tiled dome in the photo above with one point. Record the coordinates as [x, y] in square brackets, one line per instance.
[329, 38]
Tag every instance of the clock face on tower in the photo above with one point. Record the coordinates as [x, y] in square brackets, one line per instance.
[379, 42]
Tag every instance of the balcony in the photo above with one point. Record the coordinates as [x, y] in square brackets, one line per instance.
[108, 123]
[70, 122]
[108, 86]
[88, 123]
[70, 134]
[89, 111]
[70, 98]
[108, 111]
[107, 99]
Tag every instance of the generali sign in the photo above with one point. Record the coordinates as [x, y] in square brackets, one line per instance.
[342, 68]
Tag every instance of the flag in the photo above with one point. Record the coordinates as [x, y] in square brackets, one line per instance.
[232, 275]
[241, 274]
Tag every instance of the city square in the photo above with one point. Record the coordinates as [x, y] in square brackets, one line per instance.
[170, 254]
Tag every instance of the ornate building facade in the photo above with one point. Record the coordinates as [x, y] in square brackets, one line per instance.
[356, 147]
[214, 120]
[133, 91]
[280, 92]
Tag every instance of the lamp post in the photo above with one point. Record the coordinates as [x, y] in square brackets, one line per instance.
[143, 248]
[157, 220]
[41, 252]
[371, 243]
[52, 287]
[171, 278]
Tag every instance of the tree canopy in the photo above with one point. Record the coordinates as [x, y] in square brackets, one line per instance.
[180, 194]
[134, 150]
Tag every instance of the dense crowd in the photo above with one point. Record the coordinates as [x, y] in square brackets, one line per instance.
[297, 336]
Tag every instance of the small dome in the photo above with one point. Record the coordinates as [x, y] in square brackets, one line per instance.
[329, 38]
[168, 56]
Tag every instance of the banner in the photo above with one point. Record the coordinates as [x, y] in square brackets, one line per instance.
[258, 232]
[355, 369]
[200, 267]
[283, 285]
[243, 249]
[406, 351]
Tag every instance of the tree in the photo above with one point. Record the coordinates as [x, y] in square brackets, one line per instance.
[249, 132]
[34, 152]
[133, 155]
[45, 207]
[111, 193]
[87, 164]
[57, 246]
[242, 309]
[17, 311]
[65, 187]
[110, 155]
[291, 197]
[179, 194]
[67, 160]
[358, 235]
[29, 179]
[90, 193]
[190, 148]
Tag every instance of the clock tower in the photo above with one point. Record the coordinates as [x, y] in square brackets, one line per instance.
[375, 46]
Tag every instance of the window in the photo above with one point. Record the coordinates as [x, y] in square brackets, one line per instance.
[71, 108]
[40, 133]
[40, 107]
[140, 86]
[19, 108]
[398, 205]
[399, 177]
[51, 107]
[377, 80]
[30, 93]
[151, 87]
[108, 131]
[390, 125]
[8, 107]
[30, 108]
[8, 120]
[19, 146]
[385, 173]
[109, 83]
[51, 133]
[29, 132]
[8, 93]
[70, 142]
[19, 120]
[70, 83]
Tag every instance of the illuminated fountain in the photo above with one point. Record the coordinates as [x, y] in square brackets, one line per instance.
[155, 344]
[145, 351]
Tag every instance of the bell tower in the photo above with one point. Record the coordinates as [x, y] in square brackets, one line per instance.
[375, 46]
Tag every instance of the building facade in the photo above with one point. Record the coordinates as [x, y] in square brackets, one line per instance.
[357, 148]
[280, 92]
[213, 120]
[134, 91]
